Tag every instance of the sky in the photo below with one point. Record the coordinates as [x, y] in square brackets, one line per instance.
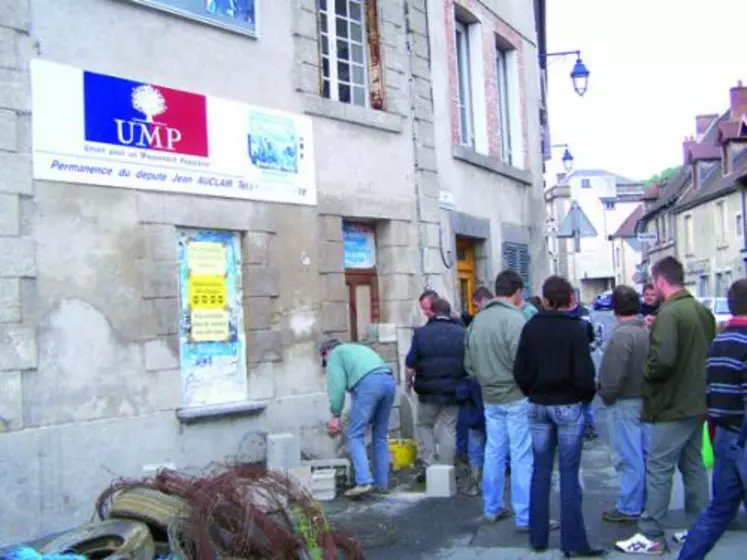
[654, 64]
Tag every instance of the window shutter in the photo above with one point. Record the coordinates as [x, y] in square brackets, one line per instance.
[516, 257]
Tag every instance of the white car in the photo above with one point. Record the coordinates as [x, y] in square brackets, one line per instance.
[719, 306]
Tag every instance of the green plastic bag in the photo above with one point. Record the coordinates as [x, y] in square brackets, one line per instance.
[707, 447]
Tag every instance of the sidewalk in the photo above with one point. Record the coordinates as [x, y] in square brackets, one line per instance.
[408, 525]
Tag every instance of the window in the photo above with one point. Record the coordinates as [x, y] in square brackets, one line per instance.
[516, 257]
[359, 253]
[739, 226]
[618, 257]
[704, 286]
[609, 204]
[236, 15]
[464, 86]
[342, 35]
[504, 69]
[689, 235]
[721, 221]
[585, 183]
[664, 227]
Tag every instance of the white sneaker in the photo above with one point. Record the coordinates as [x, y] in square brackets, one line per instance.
[680, 537]
[358, 491]
[641, 544]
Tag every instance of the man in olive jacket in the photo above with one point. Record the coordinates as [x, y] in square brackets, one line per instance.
[674, 402]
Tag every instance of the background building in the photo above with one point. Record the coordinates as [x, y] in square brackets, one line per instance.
[207, 192]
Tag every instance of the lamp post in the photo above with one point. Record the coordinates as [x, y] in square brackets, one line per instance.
[579, 74]
[567, 158]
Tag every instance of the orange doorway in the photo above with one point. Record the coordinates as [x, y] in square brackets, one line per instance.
[465, 249]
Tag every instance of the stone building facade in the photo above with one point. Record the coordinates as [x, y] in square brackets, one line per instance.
[92, 368]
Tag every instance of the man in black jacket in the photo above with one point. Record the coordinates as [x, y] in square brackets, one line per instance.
[435, 367]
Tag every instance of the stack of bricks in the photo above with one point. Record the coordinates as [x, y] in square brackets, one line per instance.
[18, 352]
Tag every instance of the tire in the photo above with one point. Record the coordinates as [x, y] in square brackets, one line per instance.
[110, 539]
[154, 508]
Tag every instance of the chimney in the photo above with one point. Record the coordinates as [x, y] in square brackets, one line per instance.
[689, 141]
[702, 122]
[738, 101]
[560, 177]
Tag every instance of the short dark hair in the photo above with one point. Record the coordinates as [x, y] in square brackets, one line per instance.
[428, 294]
[737, 297]
[557, 292]
[440, 306]
[625, 301]
[507, 283]
[536, 301]
[671, 270]
[648, 287]
[482, 293]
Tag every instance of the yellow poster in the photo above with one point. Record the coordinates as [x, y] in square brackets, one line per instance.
[206, 258]
[207, 292]
[210, 325]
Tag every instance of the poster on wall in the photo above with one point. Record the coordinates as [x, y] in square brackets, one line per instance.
[359, 245]
[211, 337]
[105, 130]
[236, 15]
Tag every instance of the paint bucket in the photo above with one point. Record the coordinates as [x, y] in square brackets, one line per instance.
[402, 453]
[707, 448]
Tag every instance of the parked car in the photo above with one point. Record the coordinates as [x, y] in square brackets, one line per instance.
[603, 302]
[719, 306]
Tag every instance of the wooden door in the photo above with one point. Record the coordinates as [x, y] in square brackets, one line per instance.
[466, 274]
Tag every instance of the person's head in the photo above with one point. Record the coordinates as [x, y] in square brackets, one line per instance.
[626, 302]
[574, 299]
[508, 285]
[650, 297]
[737, 298]
[481, 297]
[557, 294]
[536, 301]
[669, 277]
[326, 347]
[440, 308]
[425, 300]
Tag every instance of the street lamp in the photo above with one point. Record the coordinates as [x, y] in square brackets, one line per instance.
[579, 74]
[567, 158]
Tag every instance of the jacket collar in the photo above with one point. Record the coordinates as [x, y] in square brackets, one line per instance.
[681, 294]
[497, 302]
[637, 322]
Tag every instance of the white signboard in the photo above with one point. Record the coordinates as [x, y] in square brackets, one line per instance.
[648, 237]
[446, 200]
[103, 130]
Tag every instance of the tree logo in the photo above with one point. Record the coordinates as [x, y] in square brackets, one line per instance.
[149, 101]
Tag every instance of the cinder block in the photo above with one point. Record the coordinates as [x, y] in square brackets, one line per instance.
[324, 485]
[332, 258]
[283, 452]
[15, 168]
[10, 213]
[18, 349]
[258, 313]
[255, 248]
[334, 317]
[440, 481]
[160, 279]
[15, 14]
[334, 288]
[159, 356]
[160, 242]
[264, 346]
[15, 88]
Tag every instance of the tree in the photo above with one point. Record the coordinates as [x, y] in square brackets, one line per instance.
[662, 176]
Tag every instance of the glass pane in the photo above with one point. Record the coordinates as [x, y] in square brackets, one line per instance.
[323, 22]
[357, 52]
[325, 89]
[343, 71]
[356, 32]
[325, 45]
[359, 97]
[341, 7]
[344, 92]
[342, 28]
[362, 309]
[357, 74]
[322, 4]
[342, 50]
[355, 11]
[325, 67]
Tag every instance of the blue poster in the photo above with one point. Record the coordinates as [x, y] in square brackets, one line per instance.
[358, 245]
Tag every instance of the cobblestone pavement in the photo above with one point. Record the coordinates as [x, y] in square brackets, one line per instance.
[405, 524]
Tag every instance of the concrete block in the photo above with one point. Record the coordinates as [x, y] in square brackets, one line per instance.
[15, 14]
[336, 463]
[10, 300]
[160, 355]
[426, 134]
[165, 389]
[422, 88]
[388, 333]
[10, 214]
[15, 168]
[15, 89]
[331, 258]
[433, 263]
[306, 78]
[305, 23]
[159, 279]
[418, 22]
[401, 312]
[160, 242]
[334, 288]
[165, 315]
[397, 260]
[8, 57]
[420, 68]
[323, 485]
[423, 109]
[255, 248]
[261, 281]
[334, 317]
[17, 257]
[18, 349]
[264, 346]
[11, 401]
[394, 233]
[8, 123]
[283, 452]
[429, 209]
[258, 313]
[307, 49]
[331, 228]
[440, 481]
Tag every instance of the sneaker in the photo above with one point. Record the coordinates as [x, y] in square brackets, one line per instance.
[501, 515]
[679, 537]
[554, 526]
[641, 544]
[359, 491]
[614, 516]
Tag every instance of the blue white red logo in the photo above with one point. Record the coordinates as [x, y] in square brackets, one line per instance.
[137, 115]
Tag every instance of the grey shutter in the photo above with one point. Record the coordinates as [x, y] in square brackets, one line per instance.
[516, 258]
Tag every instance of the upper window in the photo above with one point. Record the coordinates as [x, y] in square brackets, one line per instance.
[464, 86]
[342, 33]
[505, 67]
[689, 235]
[721, 224]
[236, 15]
[586, 183]
[609, 204]
[739, 226]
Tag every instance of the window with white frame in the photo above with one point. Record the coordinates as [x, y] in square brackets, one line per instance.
[505, 67]
[464, 85]
[585, 183]
[342, 34]
[739, 226]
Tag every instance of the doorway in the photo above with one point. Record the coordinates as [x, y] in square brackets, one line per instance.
[465, 249]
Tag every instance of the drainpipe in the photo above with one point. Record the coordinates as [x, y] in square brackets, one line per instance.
[416, 172]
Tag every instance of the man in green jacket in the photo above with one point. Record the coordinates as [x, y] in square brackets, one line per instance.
[357, 369]
[674, 402]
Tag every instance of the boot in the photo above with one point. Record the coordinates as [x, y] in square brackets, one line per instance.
[474, 488]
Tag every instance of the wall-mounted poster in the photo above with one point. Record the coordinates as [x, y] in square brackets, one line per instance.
[359, 245]
[212, 341]
[236, 15]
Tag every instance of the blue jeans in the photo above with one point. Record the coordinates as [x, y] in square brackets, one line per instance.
[729, 492]
[373, 398]
[462, 432]
[589, 427]
[628, 448]
[559, 427]
[476, 448]
[507, 427]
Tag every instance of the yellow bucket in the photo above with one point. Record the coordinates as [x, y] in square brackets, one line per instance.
[402, 453]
